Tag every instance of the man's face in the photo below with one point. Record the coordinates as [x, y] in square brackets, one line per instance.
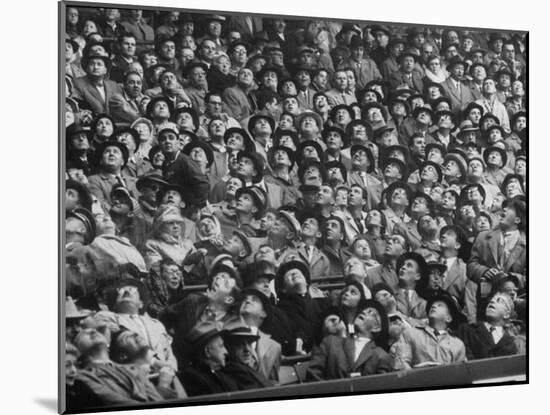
[489, 86]
[128, 47]
[521, 167]
[333, 230]
[216, 352]
[169, 142]
[310, 228]
[173, 198]
[439, 311]
[168, 50]
[429, 173]
[427, 225]
[356, 197]
[340, 80]
[245, 203]
[475, 168]
[351, 294]
[475, 116]
[294, 282]
[96, 67]
[325, 197]
[419, 146]
[407, 64]
[198, 155]
[89, 338]
[223, 64]
[70, 369]
[457, 71]
[112, 157]
[427, 50]
[498, 308]
[72, 15]
[504, 81]
[419, 206]
[450, 53]
[310, 152]
[172, 276]
[245, 77]
[208, 50]
[341, 198]
[312, 175]
[290, 105]
[368, 321]
[223, 283]
[448, 202]
[281, 158]
[242, 351]
[452, 169]
[80, 141]
[214, 29]
[246, 167]
[216, 128]
[161, 110]
[508, 52]
[474, 195]
[495, 158]
[253, 306]
[304, 79]
[482, 224]
[395, 246]
[381, 38]
[321, 79]
[186, 56]
[351, 79]
[334, 140]
[309, 125]
[173, 228]
[128, 296]
[286, 140]
[518, 90]
[121, 204]
[479, 73]
[268, 221]
[509, 219]
[424, 118]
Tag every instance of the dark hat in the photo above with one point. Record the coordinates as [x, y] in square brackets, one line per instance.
[494, 127]
[257, 160]
[200, 144]
[508, 179]
[429, 201]
[287, 266]
[83, 193]
[402, 89]
[357, 147]
[305, 164]
[491, 149]
[392, 160]
[460, 234]
[258, 195]
[291, 220]
[379, 131]
[336, 108]
[100, 149]
[461, 160]
[402, 149]
[153, 102]
[281, 133]
[418, 110]
[269, 68]
[431, 84]
[254, 118]
[408, 53]
[488, 115]
[503, 71]
[254, 270]
[337, 130]
[380, 28]
[520, 207]
[475, 65]
[87, 58]
[86, 217]
[127, 130]
[395, 41]
[465, 127]
[365, 124]
[439, 100]
[299, 69]
[303, 145]
[76, 128]
[416, 257]
[334, 163]
[74, 45]
[150, 178]
[381, 338]
[171, 130]
[192, 65]
[356, 42]
[247, 141]
[494, 36]
[298, 119]
[192, 112]
[514, 118]
[365, 109]
[439, 146]
[394, 186]
[451, 305]
[203, 332]
[346, 27]
[361, 94]
[381, 286]
[436, 166]
[440, 114]
[233, 45]
[456, 60]
[478, 186]
[215, 18]
[288, 151]
[235, 330]
[304, 49]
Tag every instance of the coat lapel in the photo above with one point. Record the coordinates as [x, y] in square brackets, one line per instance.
[364, 356]
[493, 244]
[516, 252]
[349, 351]
[452, 275]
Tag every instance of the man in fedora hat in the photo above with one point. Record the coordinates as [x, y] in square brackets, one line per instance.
[180, 169]
[412, 273]
[333, 243]
[390, 65]
[209, 354]
[251, 203]
[397, 196]
[112, 156]
[242, 360]
[292, 286]
[503, 249]
[432, 345]
[459, 93]
[420, 123]
[95, 88]
[197, 86]
[406, 73]
[361, 174]
[150, 186]
[489, 337]
[396, 246]
[80, 228]
[363, 354]
[239, 100]
[128, 105]
[283, 173]
[455, 168]
[420, 204]
[364, 67]
[306, 93]
[495, 158]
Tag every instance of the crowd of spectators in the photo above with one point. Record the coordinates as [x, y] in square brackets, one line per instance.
[242, 191]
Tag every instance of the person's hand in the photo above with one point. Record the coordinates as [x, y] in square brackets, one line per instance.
[166, 376]
[491, 273]
[86, 117]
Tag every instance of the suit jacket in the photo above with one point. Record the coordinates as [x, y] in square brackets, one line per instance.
[239, 105]
[487, 253]
[305, 102]
[415, 307]
[459, 100]
[199, 379]
[336, 97]
[334, 359]
[319, 264]
[400, 78]
[186, 173]
[85, 90]
[382, 273]
[392, 219]
[337, 260]
[269, 356]
[457, 284]
[352, 229]
[480, 343]
[124, 110]
[365, 71]
[409, 231]
[245, 377]
[101, 185]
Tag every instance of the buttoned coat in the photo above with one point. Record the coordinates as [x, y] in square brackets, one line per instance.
[480, 343]
[84, 89]
[459, 100]
[335, 359]
[101, 186]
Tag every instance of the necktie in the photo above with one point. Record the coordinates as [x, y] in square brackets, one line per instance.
[359, 224]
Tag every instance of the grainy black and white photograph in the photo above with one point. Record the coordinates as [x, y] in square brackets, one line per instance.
[261, 207]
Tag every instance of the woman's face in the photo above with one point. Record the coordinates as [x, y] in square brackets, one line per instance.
[143, 131]
[172, 228]
[362, 249]
[434, 65]
[350, 296]
[104, 127]
[89, 27]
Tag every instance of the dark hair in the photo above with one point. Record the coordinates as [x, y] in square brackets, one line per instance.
[266, 97]
[123, 35]
[211, 93]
